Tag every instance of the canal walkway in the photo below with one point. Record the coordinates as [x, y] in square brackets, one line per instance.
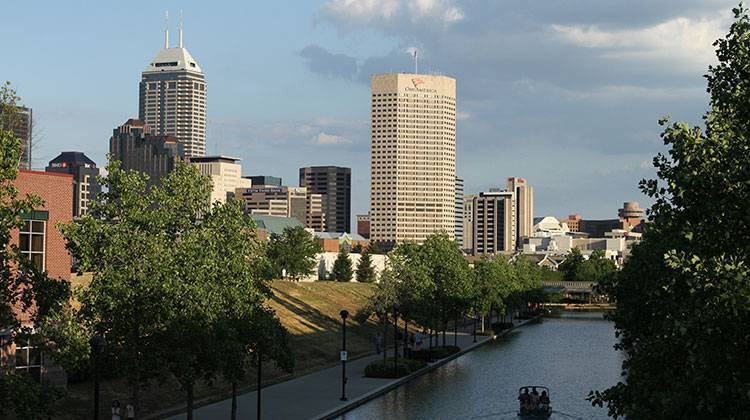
[317, 395]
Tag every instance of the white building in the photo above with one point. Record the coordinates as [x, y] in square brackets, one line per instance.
[413, 157]
[225, 173]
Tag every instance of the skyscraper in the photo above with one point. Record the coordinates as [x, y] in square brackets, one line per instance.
[225, 173]
[493, 228]
[173, 97]
[133, 144]
[524, 207]
[413, 157]
[334, 184]
[84, 171]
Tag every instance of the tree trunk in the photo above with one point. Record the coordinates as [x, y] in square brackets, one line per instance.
[135, 400]
[455, 332]
[385, 338]
[234, 400]
[406, 336]
[190, 401]
[482, 324]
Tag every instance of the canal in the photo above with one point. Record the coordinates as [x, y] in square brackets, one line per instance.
[571, 355]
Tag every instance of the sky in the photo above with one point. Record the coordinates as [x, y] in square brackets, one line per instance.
[566, 94]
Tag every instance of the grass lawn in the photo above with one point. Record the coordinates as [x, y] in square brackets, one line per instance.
[310, 311]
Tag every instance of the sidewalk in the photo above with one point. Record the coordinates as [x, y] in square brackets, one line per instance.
[317, 394]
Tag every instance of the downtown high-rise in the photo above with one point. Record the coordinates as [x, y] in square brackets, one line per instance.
[173, 97]
[413, 157]
[334, 184]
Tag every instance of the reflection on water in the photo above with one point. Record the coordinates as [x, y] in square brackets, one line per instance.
[571, 355]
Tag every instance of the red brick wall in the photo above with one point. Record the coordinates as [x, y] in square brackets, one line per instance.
[56, 190]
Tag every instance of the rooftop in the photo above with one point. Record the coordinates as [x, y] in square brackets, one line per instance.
[173, 59]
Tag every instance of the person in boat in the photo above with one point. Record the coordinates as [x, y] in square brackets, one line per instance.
[544, 402]
[534, 399]
[525, 399]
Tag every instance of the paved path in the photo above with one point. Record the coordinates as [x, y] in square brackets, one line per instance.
[311, 395]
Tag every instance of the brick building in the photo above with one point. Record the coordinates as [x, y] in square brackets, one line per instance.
[39, 240]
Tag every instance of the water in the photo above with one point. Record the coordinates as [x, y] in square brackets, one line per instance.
[571, 355]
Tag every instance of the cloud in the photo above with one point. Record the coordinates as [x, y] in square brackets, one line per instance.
[682, 39]
[325, 139]
[321, 61]
[351, 14]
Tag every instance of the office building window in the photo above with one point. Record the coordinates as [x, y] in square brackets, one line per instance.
[31, 241]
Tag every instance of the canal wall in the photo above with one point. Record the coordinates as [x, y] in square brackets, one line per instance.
[350, 405]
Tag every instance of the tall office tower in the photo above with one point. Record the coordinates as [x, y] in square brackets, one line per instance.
[84, 171]
[493, 223]
[173, 97]
[459, 230]
[413, 157]
[225, 173]
[155, 155]
[467, 222]
[524, 207]
[334, 183]
[21, 124]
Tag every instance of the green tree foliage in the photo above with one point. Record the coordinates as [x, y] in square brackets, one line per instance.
[292, 252]
[175, 279]
[365, 270]
[683, 297]
[494, 282]
[342, 268]
[570, 266]
[596, 269]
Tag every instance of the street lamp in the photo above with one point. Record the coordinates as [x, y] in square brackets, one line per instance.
[260, 382]
[97, 344]
[344, 314]
[395, 339]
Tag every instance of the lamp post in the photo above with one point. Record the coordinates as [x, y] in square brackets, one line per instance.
[97, 344]
[475, 324]
[344, 314]
[395, 339]
[260, 382]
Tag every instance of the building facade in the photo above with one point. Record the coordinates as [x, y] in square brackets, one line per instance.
[264, 181]
[283, 201]
[225, 173]
[84, 172]
[493, 223]
[631, 214]
[459, 217]
[363, 225]
[467, 216]
[39, 240]
[524, 207]
[136, 148]
[573, 221]
[22, 126]
[413, 157]
[172, 98]
[334, 184]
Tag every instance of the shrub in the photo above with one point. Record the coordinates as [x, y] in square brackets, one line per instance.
[384, 368]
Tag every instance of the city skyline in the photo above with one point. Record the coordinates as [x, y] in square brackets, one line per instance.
[301, 87]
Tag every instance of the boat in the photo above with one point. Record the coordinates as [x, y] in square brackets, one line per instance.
[540, 411]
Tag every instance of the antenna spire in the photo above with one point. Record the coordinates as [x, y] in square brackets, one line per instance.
[416, 62]
[166, 29]
[180, 28]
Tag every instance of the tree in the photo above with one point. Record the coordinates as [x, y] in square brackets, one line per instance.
[683, 296]
[596, 268]
[365, 271]
[292, 252]
[573, 260]
[25, 292]
[342, 268]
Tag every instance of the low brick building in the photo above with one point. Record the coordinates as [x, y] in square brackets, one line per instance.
[39, 240]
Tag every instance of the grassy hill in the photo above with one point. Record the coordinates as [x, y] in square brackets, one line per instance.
[310, 311]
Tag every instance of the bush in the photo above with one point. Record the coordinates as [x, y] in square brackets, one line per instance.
[435, 353]
[384, 368]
